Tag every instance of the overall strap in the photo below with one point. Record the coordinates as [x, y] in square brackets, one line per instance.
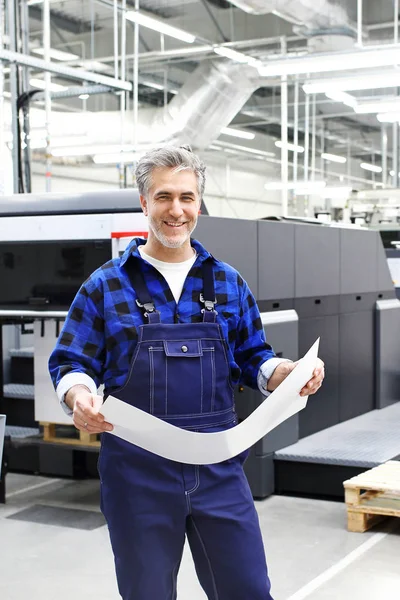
[208, 296]
[144, 300]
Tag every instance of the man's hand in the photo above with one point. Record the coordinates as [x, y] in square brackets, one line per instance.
[86, 408]
[283, 370]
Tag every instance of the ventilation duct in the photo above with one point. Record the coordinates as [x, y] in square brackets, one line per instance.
[312, 14]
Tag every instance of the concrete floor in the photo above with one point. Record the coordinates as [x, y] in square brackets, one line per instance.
[310, 553]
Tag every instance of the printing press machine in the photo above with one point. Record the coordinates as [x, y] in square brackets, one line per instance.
[309, 280]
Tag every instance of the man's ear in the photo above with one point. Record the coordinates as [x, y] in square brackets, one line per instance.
[143, 203]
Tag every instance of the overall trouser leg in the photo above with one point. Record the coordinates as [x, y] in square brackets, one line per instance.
[143, 501]
[224, 536]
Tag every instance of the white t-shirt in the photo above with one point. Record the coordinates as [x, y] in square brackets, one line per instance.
[174, 273]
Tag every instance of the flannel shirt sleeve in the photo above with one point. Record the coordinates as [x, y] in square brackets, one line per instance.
[80, 348]
[251, 348]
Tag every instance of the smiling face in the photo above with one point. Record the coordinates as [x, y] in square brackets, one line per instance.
[172, 206]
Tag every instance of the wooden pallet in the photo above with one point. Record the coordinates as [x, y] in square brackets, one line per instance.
[52, 433]
[372, 496]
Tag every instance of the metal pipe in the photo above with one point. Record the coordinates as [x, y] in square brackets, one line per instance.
[14, 94]
[122, 170]
[69, 72]
[359, 21]
[395, 154]
[284, 138]
[72, 92]
[296, 129]
[116, 39]
[25, 87]
[306, 136]
[396, 21]
[136, 80]
[384, 138]
[47, 97]
[2, 140]
[92, 17]
[314, 136]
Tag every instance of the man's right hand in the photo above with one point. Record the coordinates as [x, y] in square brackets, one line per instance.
[85, 407]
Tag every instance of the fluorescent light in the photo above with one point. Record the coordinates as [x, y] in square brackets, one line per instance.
[246, 149]
[245, 135]
[339, 96]
[335, 61]
[41, 85]
[295, 185]
[56, 54]
[374, 81]
[151, 84]
[232, 54]
[237, 56]
[336, 192]
[160, 26]
[291, 147]
[372, 168]
[94, 65]
[387, 106]
[84, 96]
[88, 150]
[333, 157]
[388, 117]
[108, 159]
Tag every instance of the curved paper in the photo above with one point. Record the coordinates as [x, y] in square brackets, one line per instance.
[166, 440]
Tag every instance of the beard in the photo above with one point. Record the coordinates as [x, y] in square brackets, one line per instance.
[173, 241]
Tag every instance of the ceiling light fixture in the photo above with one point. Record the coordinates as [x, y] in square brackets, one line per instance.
[160, 26]
[350, 84]
[291, 147]
[152, 84]
[333, 157]
[109, 159]
[336, 61]
[237, 56]
[372, 168]
[246, 149]
[339, 96]
[84, 96]
[389, 117]
[386, 106]
[56, 54]
[245, 135]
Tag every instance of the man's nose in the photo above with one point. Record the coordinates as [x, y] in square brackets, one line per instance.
[176, 208]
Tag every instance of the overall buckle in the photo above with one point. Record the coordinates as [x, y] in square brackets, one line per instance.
[148, 307]
[209, 304]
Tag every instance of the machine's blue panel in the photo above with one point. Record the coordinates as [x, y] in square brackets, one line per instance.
[233, 241]
[275, 260]
[316, 261]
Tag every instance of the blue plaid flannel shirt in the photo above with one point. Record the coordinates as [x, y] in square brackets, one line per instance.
[100, 332]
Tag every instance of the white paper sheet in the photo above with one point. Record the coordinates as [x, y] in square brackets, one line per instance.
[166, 440]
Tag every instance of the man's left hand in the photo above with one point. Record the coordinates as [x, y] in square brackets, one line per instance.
[283, 370]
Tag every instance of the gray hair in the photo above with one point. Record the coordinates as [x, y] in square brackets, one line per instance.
[181, 158]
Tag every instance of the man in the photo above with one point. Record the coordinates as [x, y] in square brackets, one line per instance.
[170, 329]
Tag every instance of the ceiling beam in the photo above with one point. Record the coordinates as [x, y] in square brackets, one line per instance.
[66, 23]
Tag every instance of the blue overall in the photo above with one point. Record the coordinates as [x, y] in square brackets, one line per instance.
[180, 373]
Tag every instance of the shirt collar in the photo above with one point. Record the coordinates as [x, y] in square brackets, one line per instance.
[132, 250]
